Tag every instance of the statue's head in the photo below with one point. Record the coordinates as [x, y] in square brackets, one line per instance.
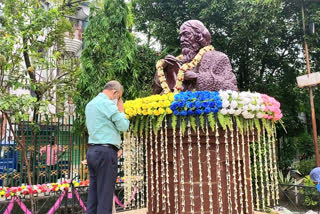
[193, 36]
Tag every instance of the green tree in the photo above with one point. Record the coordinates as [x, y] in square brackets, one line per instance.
[32, 57]
[264, 40]
[111, 52]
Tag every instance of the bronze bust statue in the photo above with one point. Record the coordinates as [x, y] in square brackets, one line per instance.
[213, 72]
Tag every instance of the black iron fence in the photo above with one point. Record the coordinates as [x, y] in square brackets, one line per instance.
[55, 155]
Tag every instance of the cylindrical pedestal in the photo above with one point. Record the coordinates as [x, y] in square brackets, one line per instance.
[232, 189]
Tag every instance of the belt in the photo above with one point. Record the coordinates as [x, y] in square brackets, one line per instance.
[106, 145]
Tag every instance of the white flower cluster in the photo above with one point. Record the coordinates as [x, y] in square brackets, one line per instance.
[248, 104]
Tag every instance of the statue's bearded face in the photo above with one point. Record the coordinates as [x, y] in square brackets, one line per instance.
[189, 43]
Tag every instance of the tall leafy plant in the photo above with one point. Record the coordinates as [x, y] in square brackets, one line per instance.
[111, 53]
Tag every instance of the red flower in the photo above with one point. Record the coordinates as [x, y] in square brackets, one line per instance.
[19, 189]
[66, 188]
[7, 195]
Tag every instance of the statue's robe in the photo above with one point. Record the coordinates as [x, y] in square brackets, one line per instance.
[213, 73]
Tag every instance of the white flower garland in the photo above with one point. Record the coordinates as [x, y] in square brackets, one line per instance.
[147, 166]
[234, 178]
[266, 168]
[209, 168]
[200, 171]
[250, 132]
[226, 142]
[183, 202]
[273, 191]
[175, 173]
[239, 171]
[151, 167]
[244, 171]
[157, 172]
[275, 167]
[218, 170]
[261, 170]
[255, 173]
[167, 164]
[163, 179]
[191, 191]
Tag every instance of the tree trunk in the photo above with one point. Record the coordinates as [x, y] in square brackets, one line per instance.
[22, 144]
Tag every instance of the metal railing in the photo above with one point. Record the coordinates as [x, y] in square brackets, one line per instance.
[53, 151]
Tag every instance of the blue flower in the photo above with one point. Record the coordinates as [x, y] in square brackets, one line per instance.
[190, 112]
[207, 110]
[174, 105]
[182, 104]
[183, 113]
[211, 104]
[205, 104]
[176, 112]
[177, 97]
[198, 111]
[190, 104]
[198, 104]
[215, 110]
[219, 104]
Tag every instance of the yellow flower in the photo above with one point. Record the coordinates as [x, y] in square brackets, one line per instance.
[171, 97]
[156, 112]
[167, 103]
[127, 116]
[144, 106]
[161, 111]
[150, 112]
[169, 111]
[144, 112]
[160, 104]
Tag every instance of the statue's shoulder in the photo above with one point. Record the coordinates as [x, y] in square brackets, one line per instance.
[215, 57]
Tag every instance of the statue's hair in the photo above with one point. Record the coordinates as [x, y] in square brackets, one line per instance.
[113, 85]
[201, 31]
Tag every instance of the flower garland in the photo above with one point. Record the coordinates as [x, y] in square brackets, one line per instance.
[154, 105]
[246, 104]
[187, 66]
[52, 187]
[196, 103]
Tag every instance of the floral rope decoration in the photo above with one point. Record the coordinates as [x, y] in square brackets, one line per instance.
[185, 67]
[163, 178]
[183, 202]
[266, 168]
[151, 166]
[200, 171]
[218, 170]
[175, 171]
[167, 164]
[157, 172]
[244, 171]
[272, 187]
[255, 167]
[209, 168]
[191, 191]
[239, 166]
[226, 142]
[234, 177]
[275, 168]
